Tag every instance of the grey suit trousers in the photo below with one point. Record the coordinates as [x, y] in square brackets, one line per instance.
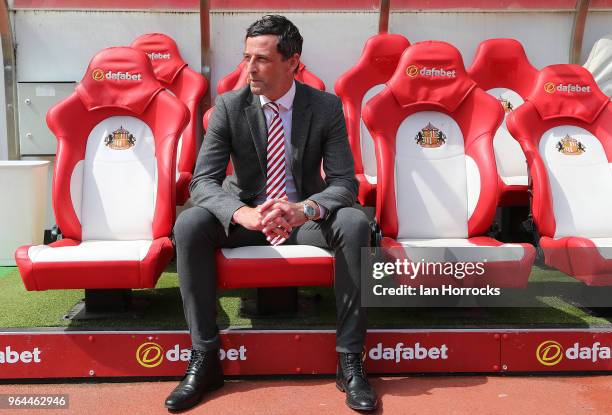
[198, 233]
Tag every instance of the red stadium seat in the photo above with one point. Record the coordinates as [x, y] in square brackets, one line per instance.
[114, 180]
[502, 68]
[565, 130]
[355, 87]
[437, 183]
[187, 85]
[274, 266]
[238, 79]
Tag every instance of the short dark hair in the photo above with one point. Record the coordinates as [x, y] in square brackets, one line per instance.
[289, 38]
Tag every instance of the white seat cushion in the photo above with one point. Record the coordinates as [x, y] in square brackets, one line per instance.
[577, 174]
[118, 184]
[509, 156]
[92, 251]
[437, 186]
[515, 180]
[604, 246]
[459, 250]
[370, 179]
[276, 252]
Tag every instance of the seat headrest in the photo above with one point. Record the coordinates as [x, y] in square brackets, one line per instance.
[503, 63]
[431, 72]
[119, 77]
[164, 54]
[382, 52]
[567, 91]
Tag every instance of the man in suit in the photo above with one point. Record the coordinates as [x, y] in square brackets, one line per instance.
[277, 132]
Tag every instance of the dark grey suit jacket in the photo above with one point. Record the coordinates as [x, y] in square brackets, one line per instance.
[238, 128]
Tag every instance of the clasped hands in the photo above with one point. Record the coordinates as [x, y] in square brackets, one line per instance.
[275, 218]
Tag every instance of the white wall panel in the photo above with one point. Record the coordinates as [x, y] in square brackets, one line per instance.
[56, 46]
[332, 41]
[545, 36]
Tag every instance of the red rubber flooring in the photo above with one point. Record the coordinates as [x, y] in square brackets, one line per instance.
[400, 395]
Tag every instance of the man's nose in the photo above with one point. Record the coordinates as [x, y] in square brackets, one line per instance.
[251, 65]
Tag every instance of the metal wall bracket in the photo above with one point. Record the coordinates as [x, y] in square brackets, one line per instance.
[10, 80]
[580, 16]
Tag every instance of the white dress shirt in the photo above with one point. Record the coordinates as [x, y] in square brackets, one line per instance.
[285, 109]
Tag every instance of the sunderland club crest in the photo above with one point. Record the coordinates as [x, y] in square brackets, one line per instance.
[506, 105]
[120, 139]
[430, 137]
[570, 146]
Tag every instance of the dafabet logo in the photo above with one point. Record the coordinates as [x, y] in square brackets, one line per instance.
[150, 354]
[551, 353]
[401, 351]
[157, 55]
[413, 70]
[10, 356]
[99, 75]
[551, 87]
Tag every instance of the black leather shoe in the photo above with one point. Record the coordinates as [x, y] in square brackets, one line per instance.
[351, 378]
[203, 374]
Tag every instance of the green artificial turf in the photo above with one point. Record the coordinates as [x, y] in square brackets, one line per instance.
[7, 270]
[21, 309]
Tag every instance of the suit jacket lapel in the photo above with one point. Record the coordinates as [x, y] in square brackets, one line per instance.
[300, 126]
[259, 132]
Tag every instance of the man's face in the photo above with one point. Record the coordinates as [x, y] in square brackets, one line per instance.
[268, 73]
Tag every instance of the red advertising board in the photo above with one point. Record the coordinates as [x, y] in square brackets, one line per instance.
[406, 351]
[556, 351]
[71, 354]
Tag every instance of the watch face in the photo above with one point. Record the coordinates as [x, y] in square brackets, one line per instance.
[309, 211]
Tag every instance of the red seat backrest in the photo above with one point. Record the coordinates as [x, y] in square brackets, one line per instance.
[503, 63]
[565, 131]
[433, 129]
[97, 146]
[502, 68]
[188, 85]
[380, 56]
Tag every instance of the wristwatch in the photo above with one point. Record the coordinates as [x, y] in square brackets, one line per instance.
[309, 211]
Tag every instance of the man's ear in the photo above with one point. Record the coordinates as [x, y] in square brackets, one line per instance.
[294, 62]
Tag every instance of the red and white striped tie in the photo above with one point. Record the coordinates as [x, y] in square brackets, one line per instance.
[276, 181]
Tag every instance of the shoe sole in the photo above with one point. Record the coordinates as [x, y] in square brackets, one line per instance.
[211, 388]
[356, 408]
